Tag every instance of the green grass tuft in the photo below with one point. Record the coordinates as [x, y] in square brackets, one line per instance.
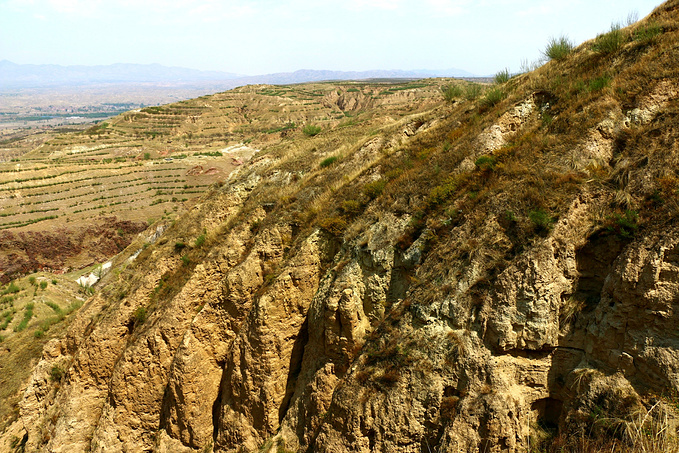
[374, 189]
[610, 42]
[328, 161]
[486, 163]
[647, 33]
[311, 130]
[452, 92]
[493, 97]
[542, 221]
[140, 316]
[472, 91]
[200, 240]
[599, 83]
[558, 48]
[502, 76]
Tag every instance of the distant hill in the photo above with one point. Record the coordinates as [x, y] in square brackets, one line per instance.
[14, 75]
[310, 75]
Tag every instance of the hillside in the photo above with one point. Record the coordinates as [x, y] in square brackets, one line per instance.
[495, 272]
[52, 96]
[61, 191]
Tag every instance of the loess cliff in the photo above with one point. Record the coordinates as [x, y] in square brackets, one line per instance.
[498, 274]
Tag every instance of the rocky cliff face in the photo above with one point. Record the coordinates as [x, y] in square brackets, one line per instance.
[447, 284]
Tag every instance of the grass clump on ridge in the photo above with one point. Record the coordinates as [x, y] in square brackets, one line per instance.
[486, 163]
[599, 83]
[558, 48]
[452, 92]
[328, 161]
[472, 91]
[647, 34]
[493, 96]
[610, 42]
[502, 76]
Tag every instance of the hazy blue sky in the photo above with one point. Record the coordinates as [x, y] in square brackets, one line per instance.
[265, 36]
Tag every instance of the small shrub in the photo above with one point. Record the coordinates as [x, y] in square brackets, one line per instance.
[179, 246]
[624, 225]
[527, 66]
[39, 333]
[451, 92]
[8, 315]
[558, 48]
[542, 221]
[440, 194]
[502, 76]
[140, 316]
[486, 163]
[609, 42]
[186, 260]
[147, 156]
[74, 306]
[493, 96]
[269, 276]
[7, 300]
[334, 225]
[43, 284]
[351, 207]
[311, 130]
[54, 281]
[255, 226]
[56, 373]
[472, 91]
[570, 309]
[31, 280]
[374, 189]
[329, 161]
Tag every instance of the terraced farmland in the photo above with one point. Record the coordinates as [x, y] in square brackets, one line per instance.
[149, 164]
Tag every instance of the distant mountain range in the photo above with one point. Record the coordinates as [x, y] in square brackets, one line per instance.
[34, 76]
[14, 76]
